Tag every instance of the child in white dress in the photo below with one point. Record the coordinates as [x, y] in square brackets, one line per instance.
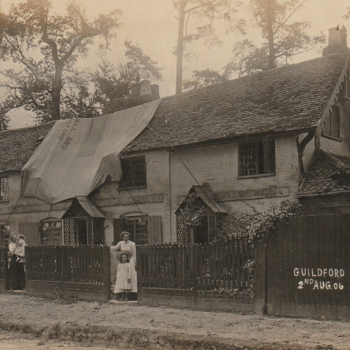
[123, 283]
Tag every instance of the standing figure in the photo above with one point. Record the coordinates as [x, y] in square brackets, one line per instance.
[123, 283]
[19, 253]
[13, 285]
[129, 246]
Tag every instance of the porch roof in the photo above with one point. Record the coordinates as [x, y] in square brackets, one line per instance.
[86, 205]
[206, 194]
[89, 207]
[328, 174]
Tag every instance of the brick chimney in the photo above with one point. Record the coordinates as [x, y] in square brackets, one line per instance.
[337, 41]
[144, 88]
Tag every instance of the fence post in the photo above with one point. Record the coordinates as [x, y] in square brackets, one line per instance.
[26, 269]
[260, 281]
[63, 251]
[139, 273]
[5, 270]
[194, 269]
[106, 253]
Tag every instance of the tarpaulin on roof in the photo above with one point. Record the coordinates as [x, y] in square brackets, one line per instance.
[78, 155]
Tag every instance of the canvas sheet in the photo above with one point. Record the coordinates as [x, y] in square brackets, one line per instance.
[78, 155]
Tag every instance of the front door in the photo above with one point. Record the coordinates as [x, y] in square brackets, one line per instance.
[200, 232]
[81, 225]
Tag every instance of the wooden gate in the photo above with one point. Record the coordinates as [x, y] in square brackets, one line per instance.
[308, 267]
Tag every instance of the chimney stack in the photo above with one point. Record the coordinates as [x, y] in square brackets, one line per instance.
[337, 41]
[145, 89]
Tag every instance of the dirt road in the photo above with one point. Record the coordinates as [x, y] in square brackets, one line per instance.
[16, 341]
[141, 327]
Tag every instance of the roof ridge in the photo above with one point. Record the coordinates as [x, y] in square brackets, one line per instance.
[245, 77]
[27, 127]
[330, 158]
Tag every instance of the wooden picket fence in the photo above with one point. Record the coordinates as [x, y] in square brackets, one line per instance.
[3, 268]
[83, 272]
[206, 267]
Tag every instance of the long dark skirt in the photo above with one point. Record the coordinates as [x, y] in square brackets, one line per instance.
[16, 274]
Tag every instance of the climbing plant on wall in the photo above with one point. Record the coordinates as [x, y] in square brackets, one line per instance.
[259, 226]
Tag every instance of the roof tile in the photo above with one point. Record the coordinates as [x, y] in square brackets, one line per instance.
[284, 99]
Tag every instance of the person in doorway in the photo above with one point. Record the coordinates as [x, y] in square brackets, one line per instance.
[19, 253]
[126, 245]
[123, 282]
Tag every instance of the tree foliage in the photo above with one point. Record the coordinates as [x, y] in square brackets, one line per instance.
[204, 78]
[281, 38]
[112, 84]
[205, 10]
[44, 48]
[258, 226]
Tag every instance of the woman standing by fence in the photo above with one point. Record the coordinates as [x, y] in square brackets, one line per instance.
[129, 246]
[16, 266]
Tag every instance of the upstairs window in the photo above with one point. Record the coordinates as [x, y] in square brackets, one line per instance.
[134, 172]
[257, 157]
[4, 188]
[332, 125]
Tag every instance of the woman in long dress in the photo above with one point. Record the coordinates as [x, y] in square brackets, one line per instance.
[127, 245]
[13, 283]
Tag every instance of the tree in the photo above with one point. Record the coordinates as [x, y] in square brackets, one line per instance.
[44, 48]
[281, 39]
[108, 88]
[204, 78]
[202, 9]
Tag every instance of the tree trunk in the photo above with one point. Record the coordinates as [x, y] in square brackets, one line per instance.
[56, 91]
[270, 16]
[180, 47]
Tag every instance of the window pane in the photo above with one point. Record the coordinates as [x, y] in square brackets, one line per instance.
[257, 157]
[248, 159]
[138, 228]
[134, 172]
[4, 188]
[335, 121]
[51, 233]
[4, 234]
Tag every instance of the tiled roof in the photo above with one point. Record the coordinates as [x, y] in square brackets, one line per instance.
[328, 174]
[289, 98]
[18, 145]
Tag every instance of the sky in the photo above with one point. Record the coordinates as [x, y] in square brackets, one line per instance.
[151, 24]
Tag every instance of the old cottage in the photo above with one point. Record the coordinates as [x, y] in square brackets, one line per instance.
[248, 143]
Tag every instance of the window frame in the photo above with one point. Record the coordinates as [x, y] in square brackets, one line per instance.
[123, 185]
[134, 225]
[6, 197]
[334, 118]
[260, 155]
[47, 225]
[4, 238]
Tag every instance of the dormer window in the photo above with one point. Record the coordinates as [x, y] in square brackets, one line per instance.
[257, 157]
[4, 188]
